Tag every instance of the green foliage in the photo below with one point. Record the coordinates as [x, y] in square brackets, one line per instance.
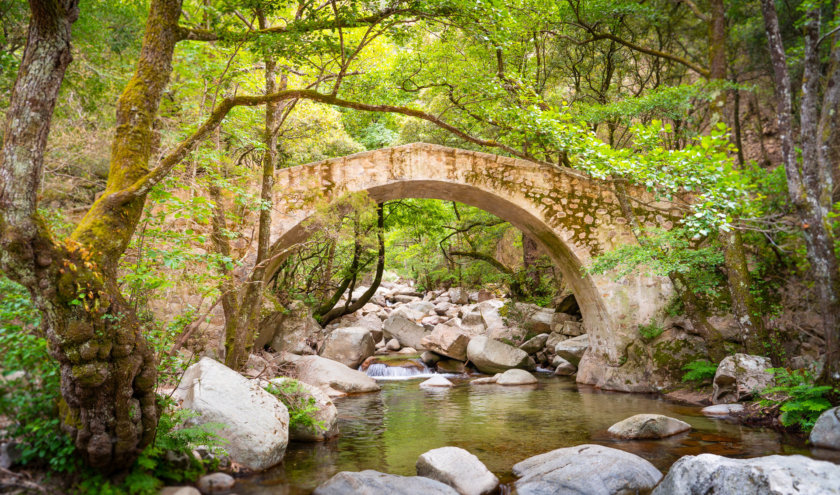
[31, 398]
[665, 253]
[651, 330]
[301, 404]
[798, 397]
[701, 371]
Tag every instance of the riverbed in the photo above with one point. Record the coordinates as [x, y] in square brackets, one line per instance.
[388, 430]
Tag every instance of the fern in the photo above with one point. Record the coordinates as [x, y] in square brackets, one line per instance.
[699, 371]
[650, 331]
[799, 399]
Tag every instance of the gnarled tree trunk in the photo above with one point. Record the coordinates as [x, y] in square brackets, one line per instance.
[107, 370]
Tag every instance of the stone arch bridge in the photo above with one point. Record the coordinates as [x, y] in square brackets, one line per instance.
[574, 219]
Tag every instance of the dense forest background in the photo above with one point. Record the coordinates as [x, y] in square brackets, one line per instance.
[688, 99]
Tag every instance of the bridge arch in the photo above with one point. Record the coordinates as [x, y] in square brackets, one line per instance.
[574, 219]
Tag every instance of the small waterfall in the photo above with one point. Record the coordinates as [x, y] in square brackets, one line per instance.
[382, 371]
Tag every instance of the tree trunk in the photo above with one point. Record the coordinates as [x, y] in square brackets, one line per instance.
[530, 255]
[349, 308]
[810, 183]
[107, 371]
[248, 314]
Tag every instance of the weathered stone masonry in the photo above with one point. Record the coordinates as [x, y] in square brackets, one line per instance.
[573, 217]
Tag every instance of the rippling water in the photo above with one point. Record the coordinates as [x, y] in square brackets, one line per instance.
[387, 431]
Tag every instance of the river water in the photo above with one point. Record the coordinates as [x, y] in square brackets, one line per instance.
[388, 430]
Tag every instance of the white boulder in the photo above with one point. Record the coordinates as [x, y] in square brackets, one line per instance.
[333, 377]
[459, 469]
[770, 475]
[645, 426]
[256, 422]
[740, 376]
[349, 346]
[492, 356]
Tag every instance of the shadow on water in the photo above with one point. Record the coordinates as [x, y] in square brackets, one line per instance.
[387, 431]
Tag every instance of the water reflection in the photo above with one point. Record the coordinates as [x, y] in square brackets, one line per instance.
[387, 431]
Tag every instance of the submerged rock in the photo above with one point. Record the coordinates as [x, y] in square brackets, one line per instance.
[826, 432]
[722, 409]
[215, 483]
[333, 377]
[349, 346]
[256, 422]
[740, 376]
[516, 377]
[585, 469]
[375, 483]
[492, 356]
[643, 426]
[437, 381]
[771, 475]
[459, 469]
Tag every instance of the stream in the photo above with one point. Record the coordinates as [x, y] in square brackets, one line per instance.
[387, 431]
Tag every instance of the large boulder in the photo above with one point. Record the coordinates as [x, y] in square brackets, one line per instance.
[459, 469]
[256, 422]
[535, 344]
[459, 296]
[408, 332]
[572, 328]
[740, 376]
[326, 413]
[375, 483]
[372, 323]
[333, 377]
[563, 367]
[644, 426]
[534, 317]
[290, 329]
[425, 308]
[516, 377]
[771, 475]
[585, 469]
[572, 349]
[447, 340]
[826, 432]
[349, 346]
[491, 356]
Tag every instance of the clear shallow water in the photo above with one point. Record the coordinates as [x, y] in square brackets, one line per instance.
[387, 431]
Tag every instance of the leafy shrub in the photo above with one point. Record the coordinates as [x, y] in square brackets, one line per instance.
[651, 330]
[701, 371]
[798, 398]
[31, 397]
[300, 403]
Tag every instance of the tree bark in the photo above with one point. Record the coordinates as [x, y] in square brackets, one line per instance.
[810, 182]
[248, 314]
[107, 371]
[530, 255]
